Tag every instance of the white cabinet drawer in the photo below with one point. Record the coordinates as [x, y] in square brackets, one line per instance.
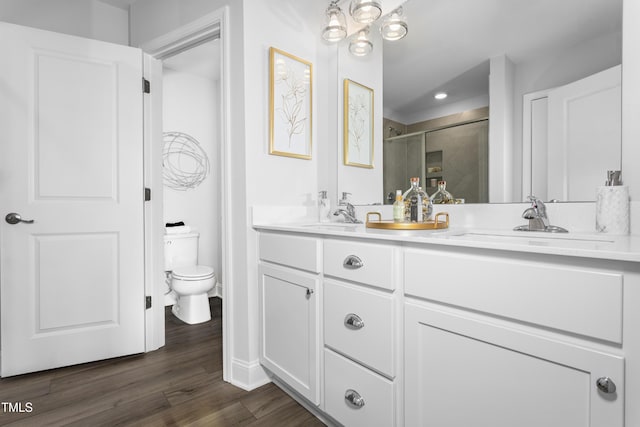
[368, 263]
[581, 300]
[295, 251]
[360, 323]
[344, 382]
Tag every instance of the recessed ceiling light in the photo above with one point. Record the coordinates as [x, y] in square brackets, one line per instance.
[440, 95]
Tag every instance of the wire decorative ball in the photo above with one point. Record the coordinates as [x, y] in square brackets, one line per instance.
[185, 164]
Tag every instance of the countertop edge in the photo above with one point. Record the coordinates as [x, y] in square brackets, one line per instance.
[621, 248]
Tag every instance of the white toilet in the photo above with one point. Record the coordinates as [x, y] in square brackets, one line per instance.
[191, 282]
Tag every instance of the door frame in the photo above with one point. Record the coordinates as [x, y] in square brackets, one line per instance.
[527, 139]
[208, 27]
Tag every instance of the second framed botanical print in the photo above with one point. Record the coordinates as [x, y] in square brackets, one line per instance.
[358, 125]
[289, 105]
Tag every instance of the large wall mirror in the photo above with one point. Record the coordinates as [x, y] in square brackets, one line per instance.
[451, 47]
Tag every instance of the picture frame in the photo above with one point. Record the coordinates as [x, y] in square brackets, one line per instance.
[358, 125]
[290, 105]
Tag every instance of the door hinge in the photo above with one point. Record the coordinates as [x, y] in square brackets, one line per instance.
[146, 85]
[147, 194]
[147, 302]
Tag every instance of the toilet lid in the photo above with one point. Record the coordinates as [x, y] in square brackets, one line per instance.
[194, 272]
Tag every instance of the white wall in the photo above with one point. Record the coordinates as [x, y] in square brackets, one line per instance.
[292, 26]
[191, 106]
[85, 18]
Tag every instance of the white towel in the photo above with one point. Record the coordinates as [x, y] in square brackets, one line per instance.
[180, 229]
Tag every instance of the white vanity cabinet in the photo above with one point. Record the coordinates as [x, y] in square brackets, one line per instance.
[510, 340]
[289, 307]
[396, 330]
[361, 336]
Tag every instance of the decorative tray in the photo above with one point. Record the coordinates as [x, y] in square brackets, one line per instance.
[436, 224]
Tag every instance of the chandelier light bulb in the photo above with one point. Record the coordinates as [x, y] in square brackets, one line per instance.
[394, 26]
[336, 27]
[365, 11]
[361, 46]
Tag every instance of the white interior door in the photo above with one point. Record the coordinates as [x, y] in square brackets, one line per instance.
[71, 159]
[585, 137]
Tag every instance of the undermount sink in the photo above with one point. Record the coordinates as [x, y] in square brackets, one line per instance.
[538, 239]
[338, 226]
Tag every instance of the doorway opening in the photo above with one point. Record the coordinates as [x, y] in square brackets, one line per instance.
[202, 42]
[191, 152]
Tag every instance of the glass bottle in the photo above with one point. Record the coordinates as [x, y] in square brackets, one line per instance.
[417, 205]
[442, 195]
[398, 208]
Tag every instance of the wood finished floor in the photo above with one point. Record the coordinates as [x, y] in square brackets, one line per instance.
[177, 385]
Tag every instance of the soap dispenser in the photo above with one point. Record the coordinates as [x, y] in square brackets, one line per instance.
[324, 207]
[398, 207]
[612, 206]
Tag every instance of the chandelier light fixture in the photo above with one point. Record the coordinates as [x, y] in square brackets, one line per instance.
[363, 14]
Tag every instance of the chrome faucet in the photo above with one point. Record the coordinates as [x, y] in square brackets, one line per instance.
[348, 211]
[538, 220]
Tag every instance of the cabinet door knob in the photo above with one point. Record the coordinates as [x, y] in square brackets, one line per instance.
[352, 262]
[353, 321]
[354, 399]
[309, 292]
[606, 385]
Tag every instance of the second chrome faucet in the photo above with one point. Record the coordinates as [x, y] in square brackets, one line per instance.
[538, 220]
[347, 210]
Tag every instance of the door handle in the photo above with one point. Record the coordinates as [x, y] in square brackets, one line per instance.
[14, 218]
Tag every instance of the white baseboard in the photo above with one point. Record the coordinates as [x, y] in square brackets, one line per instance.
[248, 375]
[216, 291]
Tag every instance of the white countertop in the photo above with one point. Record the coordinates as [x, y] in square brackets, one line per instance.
[577, 244]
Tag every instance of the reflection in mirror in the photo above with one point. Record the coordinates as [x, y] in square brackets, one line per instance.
[451, 46]
[452, 149]
[572, 136]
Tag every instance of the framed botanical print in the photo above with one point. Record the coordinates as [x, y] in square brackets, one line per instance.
[358, 125]
[290, 112]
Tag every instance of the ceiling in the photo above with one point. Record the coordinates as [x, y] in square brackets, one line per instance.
[450, 42]
[122, 4]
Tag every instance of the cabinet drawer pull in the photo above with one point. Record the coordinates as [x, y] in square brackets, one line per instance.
[353, 321]
[352, 262]
[606, 385]
[354, 399]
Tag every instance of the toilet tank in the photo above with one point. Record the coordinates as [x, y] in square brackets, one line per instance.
[180, 250]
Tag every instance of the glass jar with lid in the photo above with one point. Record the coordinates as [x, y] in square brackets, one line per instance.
[442, 196]
[417, 205]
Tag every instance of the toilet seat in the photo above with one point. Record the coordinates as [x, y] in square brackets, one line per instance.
[193, 273]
